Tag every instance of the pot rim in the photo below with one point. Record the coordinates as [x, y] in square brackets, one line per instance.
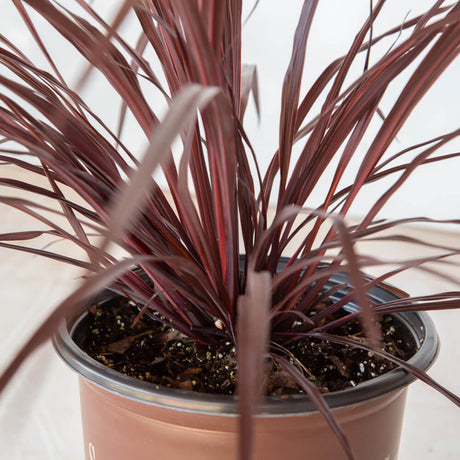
[419, 325]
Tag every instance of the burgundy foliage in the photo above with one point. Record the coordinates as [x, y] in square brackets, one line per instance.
[188, 240]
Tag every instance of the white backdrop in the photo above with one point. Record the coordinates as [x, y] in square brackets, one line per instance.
[50, 430]
[433, 191]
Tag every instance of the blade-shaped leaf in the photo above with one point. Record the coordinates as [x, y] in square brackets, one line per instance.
[181, 114]
[252, 345]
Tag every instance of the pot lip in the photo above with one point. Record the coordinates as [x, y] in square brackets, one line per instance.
[419, 324]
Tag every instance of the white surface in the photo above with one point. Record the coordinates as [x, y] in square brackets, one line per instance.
[39, 416]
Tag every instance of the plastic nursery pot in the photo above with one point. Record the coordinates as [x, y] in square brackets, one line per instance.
[125, 418]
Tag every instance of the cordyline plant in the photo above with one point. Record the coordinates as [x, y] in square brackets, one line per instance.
[209, 245]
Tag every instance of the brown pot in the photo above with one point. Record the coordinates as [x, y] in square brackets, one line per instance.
[124, 418]
[119, 428]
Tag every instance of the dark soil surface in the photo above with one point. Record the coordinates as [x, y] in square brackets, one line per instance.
[153, 352]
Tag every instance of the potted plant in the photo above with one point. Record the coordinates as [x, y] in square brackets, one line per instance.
[203, 289]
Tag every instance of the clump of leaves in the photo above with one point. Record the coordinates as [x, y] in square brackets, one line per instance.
[188, 242]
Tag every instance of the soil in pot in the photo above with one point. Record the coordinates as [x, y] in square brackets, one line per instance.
[150, 351]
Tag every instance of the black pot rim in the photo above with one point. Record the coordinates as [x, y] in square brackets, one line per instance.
[419, 325]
